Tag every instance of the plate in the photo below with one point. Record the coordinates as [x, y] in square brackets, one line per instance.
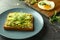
[38, 24]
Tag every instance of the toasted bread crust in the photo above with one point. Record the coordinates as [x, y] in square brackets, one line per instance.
[19, 29]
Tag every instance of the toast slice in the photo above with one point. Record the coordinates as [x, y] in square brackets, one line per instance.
[19, 21]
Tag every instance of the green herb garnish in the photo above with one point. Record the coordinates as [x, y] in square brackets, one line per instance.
[54, 18]
[42, 3]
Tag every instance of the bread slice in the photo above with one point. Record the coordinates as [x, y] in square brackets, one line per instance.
[19, 21]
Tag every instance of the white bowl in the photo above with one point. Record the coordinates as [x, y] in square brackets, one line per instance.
[51, 3]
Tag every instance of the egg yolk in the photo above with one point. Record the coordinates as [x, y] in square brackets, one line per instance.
[47, 7]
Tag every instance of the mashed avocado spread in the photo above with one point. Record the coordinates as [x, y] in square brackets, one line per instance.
[19, 19]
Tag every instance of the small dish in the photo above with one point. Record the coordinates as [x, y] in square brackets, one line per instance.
[46, 5]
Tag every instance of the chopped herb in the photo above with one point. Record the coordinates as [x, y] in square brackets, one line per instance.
[54, 18]
[42, 3]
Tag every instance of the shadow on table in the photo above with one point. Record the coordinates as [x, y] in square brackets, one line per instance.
[38, 36]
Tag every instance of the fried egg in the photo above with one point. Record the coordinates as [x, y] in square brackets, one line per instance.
[46, 5]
